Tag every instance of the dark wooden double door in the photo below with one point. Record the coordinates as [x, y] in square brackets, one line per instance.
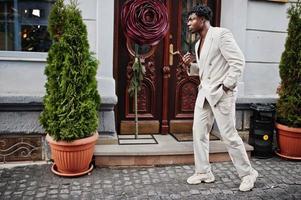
[167, 97]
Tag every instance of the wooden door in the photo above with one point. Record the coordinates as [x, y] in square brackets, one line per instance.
[167, 96]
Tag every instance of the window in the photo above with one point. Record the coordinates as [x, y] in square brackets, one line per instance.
[23, 25]
[188, 40]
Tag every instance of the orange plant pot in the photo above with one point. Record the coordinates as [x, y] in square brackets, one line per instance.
[289, 142]
[72, 158]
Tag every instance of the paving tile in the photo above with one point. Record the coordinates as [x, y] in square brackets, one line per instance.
[278, 179]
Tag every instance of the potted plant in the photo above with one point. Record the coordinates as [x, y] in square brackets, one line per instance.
[289, 103]
[71, 102]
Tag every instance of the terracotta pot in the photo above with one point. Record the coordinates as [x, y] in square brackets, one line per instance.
[72, 158]
[289, 142]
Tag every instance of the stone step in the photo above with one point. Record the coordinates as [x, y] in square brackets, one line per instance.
[167, 151]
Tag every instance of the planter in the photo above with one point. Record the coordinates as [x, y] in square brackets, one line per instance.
[72, 158]
[289, 142]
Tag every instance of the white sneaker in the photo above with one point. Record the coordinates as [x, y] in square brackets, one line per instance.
[198, 178]
[248, 181]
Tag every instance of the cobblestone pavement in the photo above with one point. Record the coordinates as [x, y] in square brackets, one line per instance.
[278, 179]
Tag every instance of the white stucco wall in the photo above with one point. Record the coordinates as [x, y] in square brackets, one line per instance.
[260, 30]
[99, 17]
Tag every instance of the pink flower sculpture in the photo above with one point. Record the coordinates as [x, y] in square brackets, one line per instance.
[144, 21]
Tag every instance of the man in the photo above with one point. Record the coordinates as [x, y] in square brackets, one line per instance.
[218, 63]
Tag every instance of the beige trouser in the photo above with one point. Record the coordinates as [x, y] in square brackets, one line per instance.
[224, 114]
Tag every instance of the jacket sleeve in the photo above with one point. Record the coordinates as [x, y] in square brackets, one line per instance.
[234, 58]
[193, 70]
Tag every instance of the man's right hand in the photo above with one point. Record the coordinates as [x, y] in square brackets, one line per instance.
[188, 58]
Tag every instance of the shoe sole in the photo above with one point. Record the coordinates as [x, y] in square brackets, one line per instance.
[209, 181]
[202, 181]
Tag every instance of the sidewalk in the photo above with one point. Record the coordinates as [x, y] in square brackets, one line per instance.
[278, 179]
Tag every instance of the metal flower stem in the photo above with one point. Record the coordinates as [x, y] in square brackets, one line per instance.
[136, 98]
[136, 114]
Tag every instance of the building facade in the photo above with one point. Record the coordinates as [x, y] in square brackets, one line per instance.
[258, 26]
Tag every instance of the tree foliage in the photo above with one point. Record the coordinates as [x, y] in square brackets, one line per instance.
[289, 103]
[71, 101]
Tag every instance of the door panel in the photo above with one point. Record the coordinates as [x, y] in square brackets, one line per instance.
[150, 96]
[184, 88]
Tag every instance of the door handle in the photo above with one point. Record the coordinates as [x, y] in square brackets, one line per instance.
[172, 53]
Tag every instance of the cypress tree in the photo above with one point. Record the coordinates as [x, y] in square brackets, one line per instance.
[289, 103]
[71, 101]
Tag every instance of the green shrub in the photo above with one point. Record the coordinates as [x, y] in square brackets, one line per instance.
[289, 103]
[71, 101]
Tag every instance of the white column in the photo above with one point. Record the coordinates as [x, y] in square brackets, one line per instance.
[104, 49]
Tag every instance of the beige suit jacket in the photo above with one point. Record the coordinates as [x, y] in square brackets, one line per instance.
[220, 62]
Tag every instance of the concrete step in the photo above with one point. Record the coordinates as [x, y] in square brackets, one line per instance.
[167, 151]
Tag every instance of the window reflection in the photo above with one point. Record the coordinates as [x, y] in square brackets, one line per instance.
[188, 40]
[23, 25]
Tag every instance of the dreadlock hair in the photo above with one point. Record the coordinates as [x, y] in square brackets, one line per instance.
[201, 10]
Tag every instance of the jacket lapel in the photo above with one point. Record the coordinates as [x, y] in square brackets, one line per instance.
[206, 48]
[202, 58]
[196, 51]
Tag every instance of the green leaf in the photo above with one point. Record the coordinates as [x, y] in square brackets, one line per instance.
[289, 103]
